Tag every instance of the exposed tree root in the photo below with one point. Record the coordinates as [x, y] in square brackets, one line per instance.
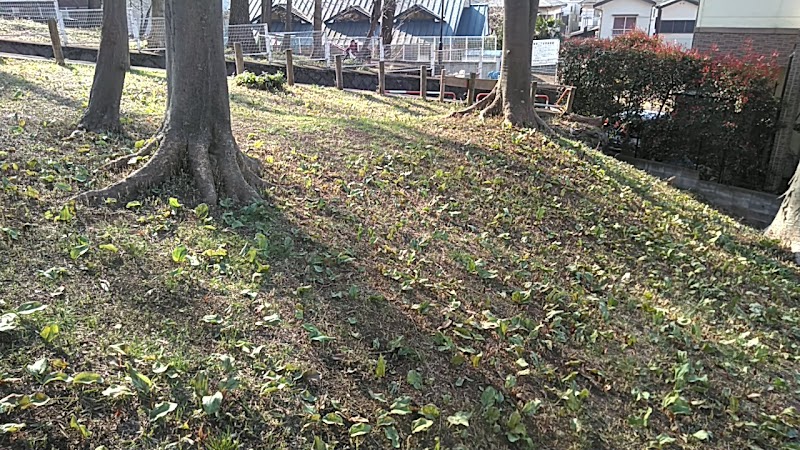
[100, 125]
[477, 106]
[493, 106]
[125, 161]
[217, 166]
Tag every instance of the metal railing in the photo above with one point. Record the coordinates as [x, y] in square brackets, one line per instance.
[26, 20]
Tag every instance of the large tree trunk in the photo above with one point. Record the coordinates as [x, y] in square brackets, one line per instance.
[786, 225]
[240, 15]
[109, 72]
[287, 26]
[511, 96]
[287, 20]
[157, 38]
[387, 21]
[266, 12]
[195, 136]
[318, 50]
[375, 18]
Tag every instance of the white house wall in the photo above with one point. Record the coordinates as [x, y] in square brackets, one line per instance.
[749, 14]
[643, 10]
[679, 11]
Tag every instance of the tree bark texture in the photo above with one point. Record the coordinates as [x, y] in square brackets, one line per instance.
[375, 18]
[287, 24]
[109, 72]
[786, 225]
[387, 21]
[195, 136]
[266, 12]
[511, 96]
[317, 24]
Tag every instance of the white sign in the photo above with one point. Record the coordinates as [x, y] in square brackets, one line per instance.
[545, 52]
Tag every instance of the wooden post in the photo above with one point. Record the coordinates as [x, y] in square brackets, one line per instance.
[471, 88]
[338, 64]
[442, 84]
[570, 99]
[58, 53]
[534, 88]
[381, 78]
[423, 82]
[289, 68]
[237, 48]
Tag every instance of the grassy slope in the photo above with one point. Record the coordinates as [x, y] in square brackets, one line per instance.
[509, 274]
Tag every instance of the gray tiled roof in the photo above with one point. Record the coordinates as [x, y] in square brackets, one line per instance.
[454, 13]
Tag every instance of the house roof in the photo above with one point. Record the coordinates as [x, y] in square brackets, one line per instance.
[405, 31]
[474, 18]
[417, 11]
[603, 2]
[346, 14]
[672, 2]
[551, 3]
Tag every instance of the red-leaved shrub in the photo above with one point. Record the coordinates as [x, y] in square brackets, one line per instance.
[713, 112]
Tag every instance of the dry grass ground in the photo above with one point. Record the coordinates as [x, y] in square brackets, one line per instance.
[412, 281]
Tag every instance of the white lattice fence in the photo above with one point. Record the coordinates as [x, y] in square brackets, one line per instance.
[27, 20]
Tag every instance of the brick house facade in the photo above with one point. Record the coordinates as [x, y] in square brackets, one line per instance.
[756, 40]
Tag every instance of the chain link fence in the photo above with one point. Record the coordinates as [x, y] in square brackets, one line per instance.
[26, 20]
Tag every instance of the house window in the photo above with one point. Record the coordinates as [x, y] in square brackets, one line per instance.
[676, 26]
[623, 24]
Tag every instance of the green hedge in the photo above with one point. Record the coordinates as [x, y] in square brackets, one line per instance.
[715, 113]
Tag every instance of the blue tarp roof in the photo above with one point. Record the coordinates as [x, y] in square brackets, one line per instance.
[459, 21]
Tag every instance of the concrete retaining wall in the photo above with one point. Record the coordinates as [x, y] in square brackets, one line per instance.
[752, 207]
[302, 75]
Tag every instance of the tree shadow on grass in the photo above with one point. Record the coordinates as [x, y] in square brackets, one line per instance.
[23, 85]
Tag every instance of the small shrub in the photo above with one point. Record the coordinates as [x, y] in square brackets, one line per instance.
[265, 82]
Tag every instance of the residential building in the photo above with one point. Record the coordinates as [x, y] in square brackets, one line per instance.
[344, 19]
[581, 17]
[675, 21]
[618, 17]
[552, 9]
[741, 26]
[766, 27]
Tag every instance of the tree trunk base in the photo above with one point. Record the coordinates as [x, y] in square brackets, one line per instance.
[493, 105]
[785, 227]
[217, 166]
[104, 124]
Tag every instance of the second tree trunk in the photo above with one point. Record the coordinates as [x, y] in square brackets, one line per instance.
[109, 73]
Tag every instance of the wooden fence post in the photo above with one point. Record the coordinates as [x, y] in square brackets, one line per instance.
[534, 88]
[289, 68]
[570, 99]
[442, 84]
[237, 49]
[339, 76]
[423, 82]
[381, 78]
[471, 88]
[58, 52]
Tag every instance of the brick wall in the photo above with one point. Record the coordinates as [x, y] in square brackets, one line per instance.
[737, 41]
